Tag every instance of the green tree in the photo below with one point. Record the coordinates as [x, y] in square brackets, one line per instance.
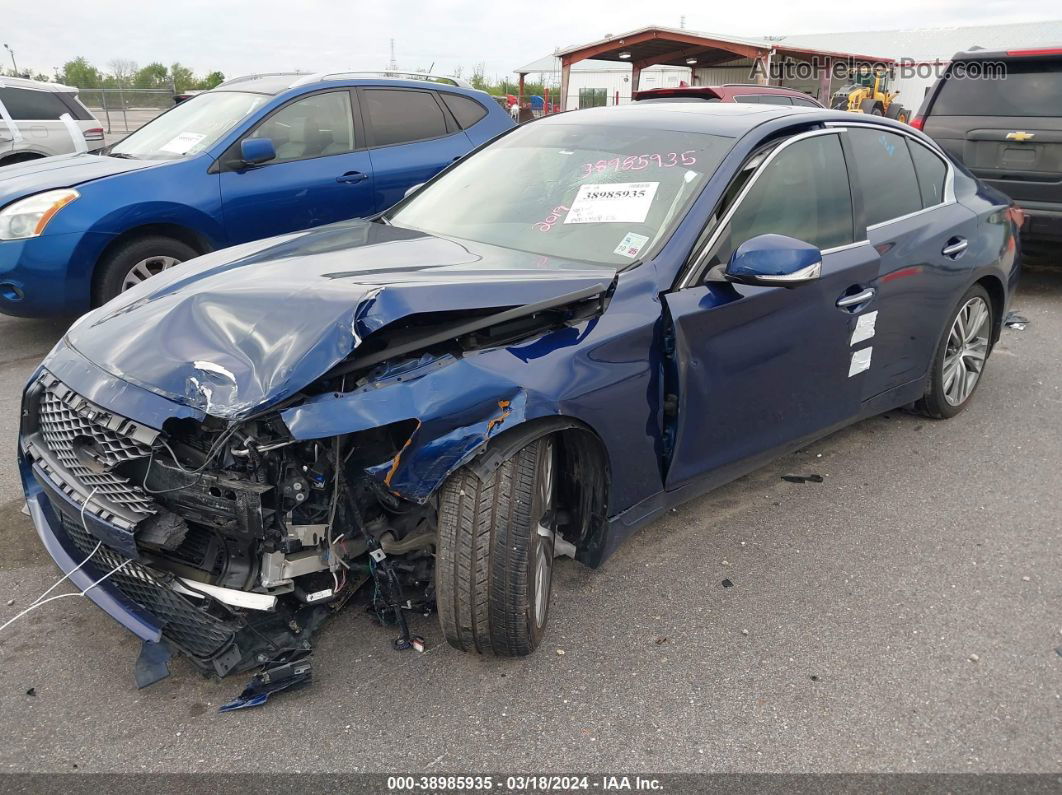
[212, 80]
[182, 77]
[154, 75]
[81, 74]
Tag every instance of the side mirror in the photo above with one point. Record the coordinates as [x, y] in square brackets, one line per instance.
[255, 151]
[774, 261]
[412, 189]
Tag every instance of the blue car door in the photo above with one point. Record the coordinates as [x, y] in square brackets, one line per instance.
[322, 171]
[756, 369]
[413, 137]
[921, 234]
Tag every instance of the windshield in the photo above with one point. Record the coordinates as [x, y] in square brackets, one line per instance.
[597, 193]
[190, 127]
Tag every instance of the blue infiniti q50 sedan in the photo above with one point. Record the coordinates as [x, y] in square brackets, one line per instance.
[255, 157]
[424, 409]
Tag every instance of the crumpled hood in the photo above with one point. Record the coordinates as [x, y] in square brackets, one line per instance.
[62, 171]
[246, 327]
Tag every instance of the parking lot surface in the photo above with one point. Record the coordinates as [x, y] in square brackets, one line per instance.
[902, 615]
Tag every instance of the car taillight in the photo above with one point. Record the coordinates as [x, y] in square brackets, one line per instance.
[918, 122]
[95, 134]
[1016, 215]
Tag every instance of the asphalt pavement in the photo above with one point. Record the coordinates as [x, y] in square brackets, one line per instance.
[905, 614]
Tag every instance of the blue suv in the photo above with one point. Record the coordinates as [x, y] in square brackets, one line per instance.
[255, 157]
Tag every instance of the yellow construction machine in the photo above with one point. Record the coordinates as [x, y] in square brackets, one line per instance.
[870, 94]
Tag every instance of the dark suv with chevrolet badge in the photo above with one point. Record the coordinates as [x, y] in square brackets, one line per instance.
[1006, 127]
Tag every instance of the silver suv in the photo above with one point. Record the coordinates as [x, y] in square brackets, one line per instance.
[32, 123]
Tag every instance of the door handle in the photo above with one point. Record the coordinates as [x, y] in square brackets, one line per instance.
[352, 176]
[846, 301]
[956, 246]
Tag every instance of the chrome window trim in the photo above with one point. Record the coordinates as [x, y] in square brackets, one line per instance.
[698, 263]
[916, 213]
[845, 247]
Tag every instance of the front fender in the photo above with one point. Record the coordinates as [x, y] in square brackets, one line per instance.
[457, 406]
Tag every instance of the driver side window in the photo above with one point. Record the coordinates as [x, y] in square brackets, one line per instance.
[802, 193]
[317, 126]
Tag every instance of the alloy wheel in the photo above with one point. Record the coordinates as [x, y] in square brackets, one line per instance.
[544, 530]
[146, 268]
[967, 350]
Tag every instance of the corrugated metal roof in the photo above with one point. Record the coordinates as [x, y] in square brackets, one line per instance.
[919, 44]
[930, 44]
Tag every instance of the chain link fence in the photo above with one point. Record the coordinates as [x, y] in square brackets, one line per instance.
[123, 110]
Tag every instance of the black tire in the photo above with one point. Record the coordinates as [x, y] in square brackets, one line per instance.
[20, 158]
[489, 598]
[117, 263]
[898, 112]
[1040, 255]
[934, 404]
[870, 107]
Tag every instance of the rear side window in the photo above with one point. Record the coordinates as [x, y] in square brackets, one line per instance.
[26, 105]
[804, 103]
[886, 174]
[931, 172]
[466, 111]
[815, 171]
[1029, 89]
[75, 108]
[399, 117]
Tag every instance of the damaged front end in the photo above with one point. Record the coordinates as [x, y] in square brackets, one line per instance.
[233, 538]
[238, 540]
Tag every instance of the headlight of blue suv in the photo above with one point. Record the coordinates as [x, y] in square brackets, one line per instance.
[28, 217]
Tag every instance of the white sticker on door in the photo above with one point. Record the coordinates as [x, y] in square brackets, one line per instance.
[619, 202]
[182, 143]
[864, 329]
[631, 244]
[860, 362]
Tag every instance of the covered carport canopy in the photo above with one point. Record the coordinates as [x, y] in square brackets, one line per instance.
[655, 45]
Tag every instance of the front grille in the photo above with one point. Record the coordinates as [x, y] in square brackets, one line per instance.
[66, 419]
[192, 629]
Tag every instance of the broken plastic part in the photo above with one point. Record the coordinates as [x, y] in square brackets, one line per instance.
[802, 478]
[153, 664]
[290, 675]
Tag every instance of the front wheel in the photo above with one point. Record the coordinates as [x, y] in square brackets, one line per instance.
[494, 567]
[135, 261]
[960, 358]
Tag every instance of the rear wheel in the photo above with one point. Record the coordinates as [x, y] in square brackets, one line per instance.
[898, 112]
[494, 567]
[135, 261]
[870, 107]
[961, 357]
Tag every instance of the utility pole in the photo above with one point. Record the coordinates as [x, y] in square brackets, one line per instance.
[12, 59]
[682, 22]
[393, 67]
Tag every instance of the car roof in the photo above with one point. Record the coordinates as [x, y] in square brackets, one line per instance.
[273, 83]
[715, 118]
[36, 85]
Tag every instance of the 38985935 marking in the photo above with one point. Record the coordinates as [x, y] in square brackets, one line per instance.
[639, 162]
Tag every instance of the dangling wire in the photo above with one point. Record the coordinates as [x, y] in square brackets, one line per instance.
[40, 600]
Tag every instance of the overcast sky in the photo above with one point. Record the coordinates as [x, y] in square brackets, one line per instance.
[242, 36]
